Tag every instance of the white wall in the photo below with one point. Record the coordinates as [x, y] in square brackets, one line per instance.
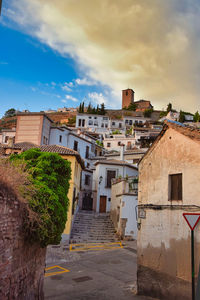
[102, 190]
[128, 211]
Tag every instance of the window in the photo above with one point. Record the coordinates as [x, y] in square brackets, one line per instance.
[120, 125]
[83, 123]
[106, 125]
[79, 122]
[95, 118]
[126, 93]
[102, 125]
[126, 122]
[175, 187]
[90, 122]
[113, 123]
[130, 122]
[108, 144]
[87, 179]
[119, 143]
[105, 118]
[75, 145]
[60, 138]
[87, 152]
[90, 117]
[95, 123]
[110, 175]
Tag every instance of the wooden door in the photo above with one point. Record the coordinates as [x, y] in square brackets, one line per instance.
[103, 200]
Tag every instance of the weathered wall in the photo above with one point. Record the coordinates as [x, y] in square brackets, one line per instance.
[164, 267]
[21, 264]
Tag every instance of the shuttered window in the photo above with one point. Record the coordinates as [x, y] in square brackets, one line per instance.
[110, 175]
[175, 192]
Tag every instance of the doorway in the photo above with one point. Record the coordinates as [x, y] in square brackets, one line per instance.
[103, 200]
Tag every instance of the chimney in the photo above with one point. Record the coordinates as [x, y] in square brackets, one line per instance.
[10, 141]
[122, 152]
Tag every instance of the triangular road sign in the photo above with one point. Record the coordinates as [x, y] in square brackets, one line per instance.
[192, 219]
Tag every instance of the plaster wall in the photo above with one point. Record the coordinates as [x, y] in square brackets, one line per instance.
[164, 237]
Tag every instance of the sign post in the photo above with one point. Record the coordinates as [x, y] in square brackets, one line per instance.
[192, 219]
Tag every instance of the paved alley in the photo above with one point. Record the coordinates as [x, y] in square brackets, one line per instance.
[101, 273]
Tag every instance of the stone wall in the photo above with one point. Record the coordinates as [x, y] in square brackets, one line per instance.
[21, 264]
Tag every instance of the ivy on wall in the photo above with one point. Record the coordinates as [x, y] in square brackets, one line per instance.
[49, 175]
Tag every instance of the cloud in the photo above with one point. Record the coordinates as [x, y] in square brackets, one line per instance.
[63, 100]
[84, 81]
[67, 86]
[69, 97]
[151, 46]
[97, 98]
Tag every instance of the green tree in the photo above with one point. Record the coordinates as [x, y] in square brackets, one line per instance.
[50, 175]
[148, 112]
[132, 106]
[181, 116]
[169, 107]
[89, 108]
[196, 116]
[10, 112]
[102, 109]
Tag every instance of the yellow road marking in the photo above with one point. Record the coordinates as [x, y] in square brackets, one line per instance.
[55, 273]
[95, 246]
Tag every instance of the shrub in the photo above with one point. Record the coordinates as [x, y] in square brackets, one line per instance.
[49, 175]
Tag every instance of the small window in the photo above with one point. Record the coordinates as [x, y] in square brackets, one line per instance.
[102, 125]
[126, 93]
[130, 122]
[87, 179]
[175, 187]
[106, 125]
[60, 138]
[110, 176]
[87, 152]
[113, 123]
[119, 143]
[105, 118]
[126, 122]
[83, 123]
[120, 125]
[79, 122]
[75, 145]
[90, 122]
[95, 123]
[95, 118]
[108, 145]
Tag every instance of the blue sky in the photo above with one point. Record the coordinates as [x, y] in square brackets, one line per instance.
[57, 53]
[34, 76]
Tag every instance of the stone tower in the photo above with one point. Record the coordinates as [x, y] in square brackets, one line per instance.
[127, 97]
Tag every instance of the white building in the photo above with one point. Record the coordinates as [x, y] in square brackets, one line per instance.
[105, 171]
[114, 142]
[124, 207]
[96, 123]
[5, 134]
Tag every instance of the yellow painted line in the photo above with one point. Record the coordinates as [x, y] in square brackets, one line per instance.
[112, 243]
[55, 273]
[95, 247]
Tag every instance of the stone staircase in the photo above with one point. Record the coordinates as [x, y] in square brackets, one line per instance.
[91, 227]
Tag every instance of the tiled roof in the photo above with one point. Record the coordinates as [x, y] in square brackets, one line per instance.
[190, 132]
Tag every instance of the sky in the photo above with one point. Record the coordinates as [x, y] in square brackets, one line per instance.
[60, 53]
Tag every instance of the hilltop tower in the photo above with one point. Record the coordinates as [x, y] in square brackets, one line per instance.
[127, 97]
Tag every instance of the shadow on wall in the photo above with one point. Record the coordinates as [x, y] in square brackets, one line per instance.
[21, 264]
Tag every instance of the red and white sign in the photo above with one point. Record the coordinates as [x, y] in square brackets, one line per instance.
[192, 219]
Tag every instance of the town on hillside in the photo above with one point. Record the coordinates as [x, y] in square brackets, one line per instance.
[134, 173]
